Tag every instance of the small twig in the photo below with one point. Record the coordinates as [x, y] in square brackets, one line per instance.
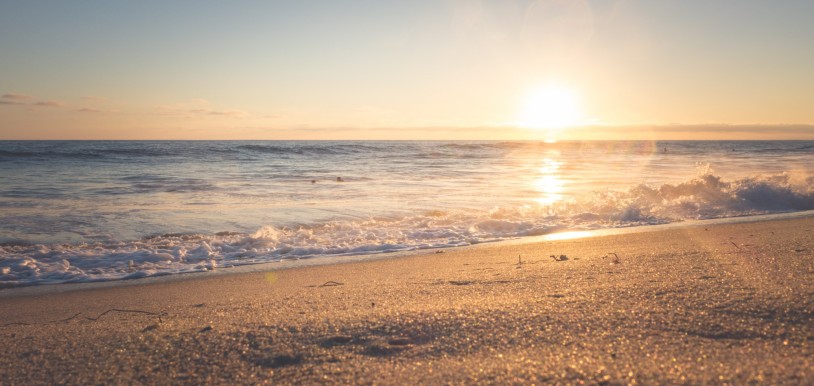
[331, 284]
[52, 321]
[67, 319]
[736, 245]
[128, 311]
[519, 262]
[74, 316]
[16, 324]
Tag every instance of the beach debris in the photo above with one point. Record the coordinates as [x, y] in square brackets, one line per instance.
[519, 262]
[382, 349]
[313, 181]
[615, 259]
[559, 258]
[400, 341]
[205, 329]
[439, 251]
[341, 339]
[461, 282]
[331, 284]
[339, 179]
[16, 324]
[150, 327]
[282, 360]
[74, 316]
[736, 245]
[67, 319]
[159, 314]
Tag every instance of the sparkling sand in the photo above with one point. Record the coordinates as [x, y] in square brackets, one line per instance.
[718, 304]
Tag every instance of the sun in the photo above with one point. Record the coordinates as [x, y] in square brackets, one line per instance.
[550, 107]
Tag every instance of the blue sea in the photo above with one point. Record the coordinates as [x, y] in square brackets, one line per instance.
[82, 211]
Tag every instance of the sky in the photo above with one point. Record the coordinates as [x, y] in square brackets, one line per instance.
[419, 69]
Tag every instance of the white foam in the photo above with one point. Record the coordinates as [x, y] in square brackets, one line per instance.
[707, 196]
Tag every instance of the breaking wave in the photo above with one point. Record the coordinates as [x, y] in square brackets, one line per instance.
[706, 196]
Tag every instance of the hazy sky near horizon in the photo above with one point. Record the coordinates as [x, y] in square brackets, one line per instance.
[378, 69]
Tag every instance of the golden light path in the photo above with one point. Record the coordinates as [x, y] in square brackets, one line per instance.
[550, 184]
[550, 108]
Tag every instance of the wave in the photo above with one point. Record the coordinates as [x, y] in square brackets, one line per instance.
[23, 154]
[16, 154]
[148, 183]
[312, 149]
[706, 196]
[197, 151]
[53, 152]
[252, 150]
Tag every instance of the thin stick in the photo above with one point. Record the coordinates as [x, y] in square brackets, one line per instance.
[16, 324]
[67, 319]
[159, 315]
[128, 311]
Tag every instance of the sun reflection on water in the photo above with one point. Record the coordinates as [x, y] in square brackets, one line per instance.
[549, 185]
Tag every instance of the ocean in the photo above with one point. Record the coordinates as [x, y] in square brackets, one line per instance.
[84, 211]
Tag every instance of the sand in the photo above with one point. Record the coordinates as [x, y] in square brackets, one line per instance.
[702, 304]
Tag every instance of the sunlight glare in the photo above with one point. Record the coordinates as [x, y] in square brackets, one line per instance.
[550, 107]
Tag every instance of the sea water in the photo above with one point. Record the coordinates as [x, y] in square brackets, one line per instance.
[80, 211]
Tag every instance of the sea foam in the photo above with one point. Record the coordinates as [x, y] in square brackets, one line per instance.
[703, 197]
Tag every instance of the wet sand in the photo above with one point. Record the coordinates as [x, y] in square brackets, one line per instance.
[717, 304]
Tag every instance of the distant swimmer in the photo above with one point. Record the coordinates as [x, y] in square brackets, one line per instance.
[664, 150]
[339, 179]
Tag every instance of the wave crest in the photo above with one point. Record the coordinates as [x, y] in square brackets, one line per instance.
[706, 196]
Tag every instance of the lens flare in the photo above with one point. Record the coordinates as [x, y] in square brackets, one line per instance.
[552, 108]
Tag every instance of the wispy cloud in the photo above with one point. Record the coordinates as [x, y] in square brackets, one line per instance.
[17, 97]
[226, 113]
[759, 128]
[89, 110]
[49, 104]
[28, 100]
[200, 108]
[93, 98]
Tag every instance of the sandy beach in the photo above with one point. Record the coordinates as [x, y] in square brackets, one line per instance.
[721, 304]
[459, 192]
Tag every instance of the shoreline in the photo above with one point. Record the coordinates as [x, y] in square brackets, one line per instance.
[323, 260]
[724, 303]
